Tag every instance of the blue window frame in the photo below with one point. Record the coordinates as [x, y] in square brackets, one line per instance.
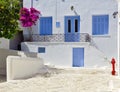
[100, 24]
[41, 49]
[46, 26]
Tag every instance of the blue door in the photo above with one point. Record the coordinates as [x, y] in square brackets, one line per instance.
[78, 57]
[45, 25]
[72, 28]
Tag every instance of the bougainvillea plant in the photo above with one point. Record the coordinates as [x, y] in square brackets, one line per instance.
[28, 17]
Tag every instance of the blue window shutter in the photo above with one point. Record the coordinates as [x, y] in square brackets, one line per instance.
[45, 25]
[100, 24]
[94, 25]
[106, 24]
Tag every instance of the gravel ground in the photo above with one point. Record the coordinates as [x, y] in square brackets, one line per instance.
[66, 80]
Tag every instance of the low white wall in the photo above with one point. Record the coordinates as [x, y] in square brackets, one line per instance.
[61, 54]
[5, 52]
[22, 67]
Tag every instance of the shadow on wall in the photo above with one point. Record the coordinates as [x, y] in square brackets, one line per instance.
[4, 53]
[24, 47]
[27, 54]
[15, 42]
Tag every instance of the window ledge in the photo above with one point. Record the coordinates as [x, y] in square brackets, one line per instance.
[104, 36]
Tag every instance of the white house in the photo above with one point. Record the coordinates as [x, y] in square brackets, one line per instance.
[77, 33]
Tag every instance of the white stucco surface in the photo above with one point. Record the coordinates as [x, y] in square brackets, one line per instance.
[58, 9]
[61, 54]
[4, 43]
[22, 67]
[4, 53]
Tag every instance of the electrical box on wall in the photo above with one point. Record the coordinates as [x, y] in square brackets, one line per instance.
[57, 24]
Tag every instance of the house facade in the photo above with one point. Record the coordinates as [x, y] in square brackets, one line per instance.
[74, 32]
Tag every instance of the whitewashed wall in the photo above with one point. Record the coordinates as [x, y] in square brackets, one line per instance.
[60, 8]
[62, 54]
[4, 53]
[4, 43]
[22, 67]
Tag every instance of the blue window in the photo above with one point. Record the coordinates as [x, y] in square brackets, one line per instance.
[41, 50]
[100, 24]
[45, 25]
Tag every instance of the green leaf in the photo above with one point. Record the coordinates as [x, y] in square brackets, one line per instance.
[9, 17]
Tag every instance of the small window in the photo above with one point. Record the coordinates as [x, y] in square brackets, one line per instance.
[57, 24]
[76, 25]
[41, 50]
[69, 26]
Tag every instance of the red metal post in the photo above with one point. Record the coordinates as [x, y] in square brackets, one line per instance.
[113, 66]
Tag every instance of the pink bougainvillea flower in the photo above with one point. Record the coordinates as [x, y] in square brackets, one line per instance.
[33, 10]
[29, 17]
[24, 11]
[34, 17]
[22, 18]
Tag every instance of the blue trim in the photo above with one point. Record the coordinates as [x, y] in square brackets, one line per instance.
[78, 57]
[100, 24]
[46, 26]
